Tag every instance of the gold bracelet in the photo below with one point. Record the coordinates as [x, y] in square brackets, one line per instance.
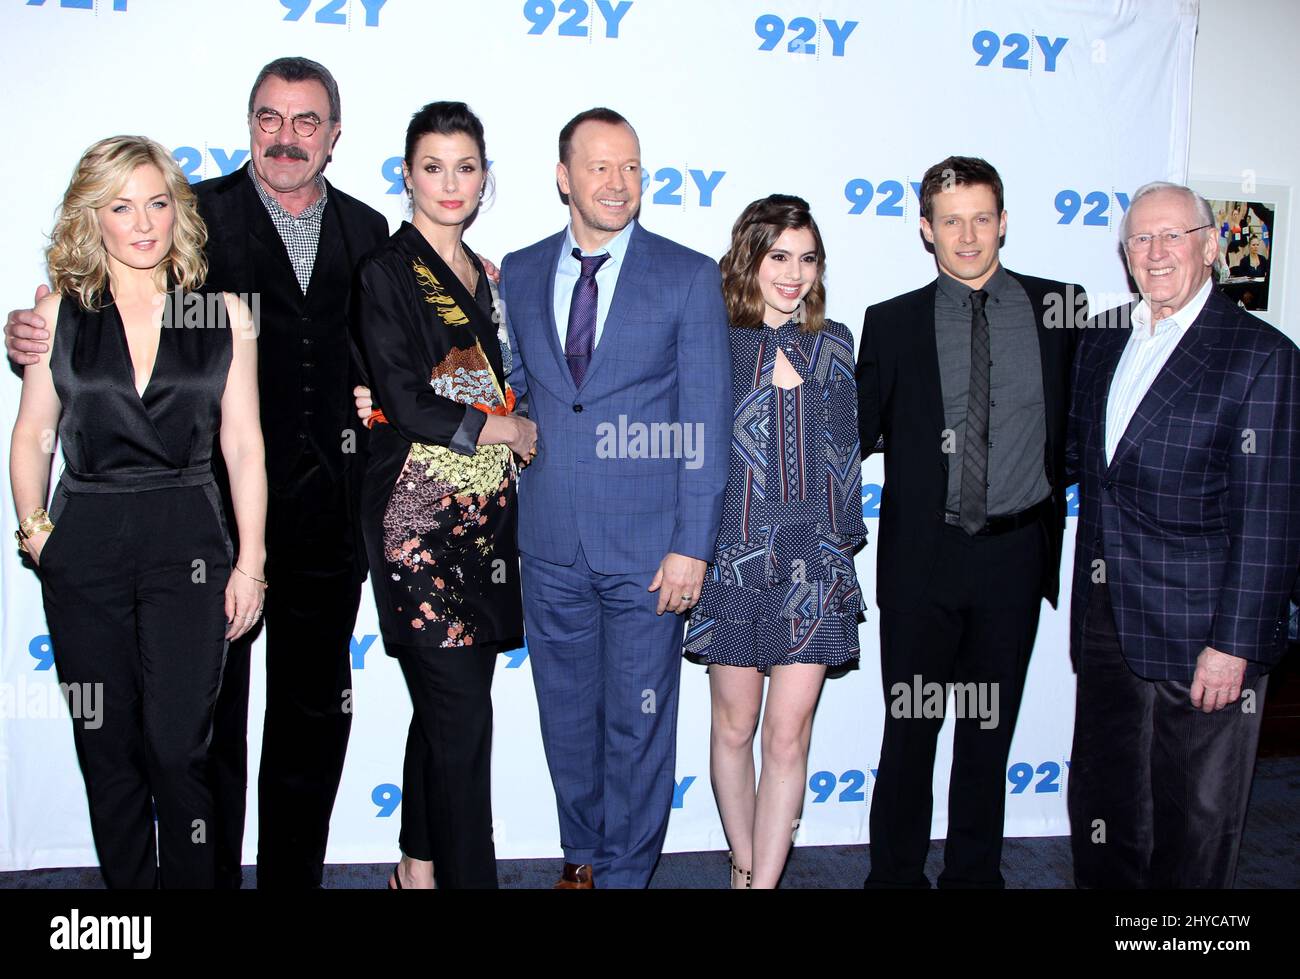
[261, 581]
[35, 523]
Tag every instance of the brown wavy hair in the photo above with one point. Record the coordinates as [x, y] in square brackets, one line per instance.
[76, 258]
[752, 237]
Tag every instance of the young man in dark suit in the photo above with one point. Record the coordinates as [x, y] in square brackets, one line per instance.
[1185, 429]
[282, 236]
[966, 380]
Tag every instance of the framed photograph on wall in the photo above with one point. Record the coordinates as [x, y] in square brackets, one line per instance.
[1252, 221]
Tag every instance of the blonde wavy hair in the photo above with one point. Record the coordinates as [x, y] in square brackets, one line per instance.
[76, 258]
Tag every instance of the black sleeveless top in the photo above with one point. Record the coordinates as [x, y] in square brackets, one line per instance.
[114, 440]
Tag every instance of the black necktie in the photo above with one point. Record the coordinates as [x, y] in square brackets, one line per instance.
[975, 450]
[582, 316]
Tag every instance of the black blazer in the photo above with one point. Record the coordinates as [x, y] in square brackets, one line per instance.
[900, 398]
[306, 362]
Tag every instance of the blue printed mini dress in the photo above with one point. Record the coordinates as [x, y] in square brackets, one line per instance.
[781, 587]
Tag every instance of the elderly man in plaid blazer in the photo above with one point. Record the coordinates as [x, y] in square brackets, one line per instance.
[1185, 431]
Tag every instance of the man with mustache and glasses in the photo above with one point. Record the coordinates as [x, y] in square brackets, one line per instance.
[1185, 432]
[280, 232]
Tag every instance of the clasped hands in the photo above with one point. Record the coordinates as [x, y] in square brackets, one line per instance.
[516, 431]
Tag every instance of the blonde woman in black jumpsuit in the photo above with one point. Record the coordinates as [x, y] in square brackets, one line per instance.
[144, 370]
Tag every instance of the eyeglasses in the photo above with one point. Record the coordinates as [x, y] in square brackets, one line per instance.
[1170, 238]
[304, 125]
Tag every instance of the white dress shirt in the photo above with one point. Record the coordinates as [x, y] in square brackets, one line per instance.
[1144, 356]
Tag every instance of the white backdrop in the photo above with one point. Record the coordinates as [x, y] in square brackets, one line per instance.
[845, 103]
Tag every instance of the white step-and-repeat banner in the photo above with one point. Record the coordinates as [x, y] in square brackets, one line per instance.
[1076, 102]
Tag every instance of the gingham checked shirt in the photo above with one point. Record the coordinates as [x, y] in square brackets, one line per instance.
[299, 232]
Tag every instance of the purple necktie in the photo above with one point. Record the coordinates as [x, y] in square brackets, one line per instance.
[582, 316]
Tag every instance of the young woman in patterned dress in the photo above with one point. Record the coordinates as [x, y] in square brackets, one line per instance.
[438, 506]
[780, 599]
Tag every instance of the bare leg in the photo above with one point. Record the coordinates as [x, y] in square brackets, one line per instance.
[736, 693]
[415, 874]
[787, 729]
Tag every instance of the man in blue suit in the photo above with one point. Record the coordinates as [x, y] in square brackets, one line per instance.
[1185, 429]
[621, 350]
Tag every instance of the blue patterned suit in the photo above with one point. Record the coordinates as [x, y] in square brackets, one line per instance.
[1198, 523]
[1188, 538]
[631, 465]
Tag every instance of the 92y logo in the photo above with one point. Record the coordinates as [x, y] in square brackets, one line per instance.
[191, 161]
[1021, 776]
[118, 5]
[1069, 202]
[987, 45]
[334, 11]
[672, 180]
[890, 195]
[803, 30]
[541, 14]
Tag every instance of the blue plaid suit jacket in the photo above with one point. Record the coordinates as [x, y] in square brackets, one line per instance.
[1197, 517]
[663, 360]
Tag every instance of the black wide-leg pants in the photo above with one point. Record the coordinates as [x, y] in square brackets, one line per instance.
[447, 774]
[134, 592]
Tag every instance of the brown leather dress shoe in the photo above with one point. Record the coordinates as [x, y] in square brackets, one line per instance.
[576, 877]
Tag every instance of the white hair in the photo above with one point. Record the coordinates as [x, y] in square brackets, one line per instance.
[1204, 213]
[1203, 210]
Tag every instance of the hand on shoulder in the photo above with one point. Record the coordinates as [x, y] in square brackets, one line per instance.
[240, 317]
[20, 327]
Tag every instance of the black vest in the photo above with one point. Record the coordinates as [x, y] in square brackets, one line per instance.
[305, 370]
[306, 362]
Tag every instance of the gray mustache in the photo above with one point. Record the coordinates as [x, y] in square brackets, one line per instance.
[277, 150]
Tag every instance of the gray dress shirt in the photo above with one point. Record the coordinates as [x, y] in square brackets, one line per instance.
[1017, 423]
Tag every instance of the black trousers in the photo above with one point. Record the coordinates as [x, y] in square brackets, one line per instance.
[228, 761]
[134, 592]
[1158, 789]
[447, 774]
[975, 626]
[310, 612]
